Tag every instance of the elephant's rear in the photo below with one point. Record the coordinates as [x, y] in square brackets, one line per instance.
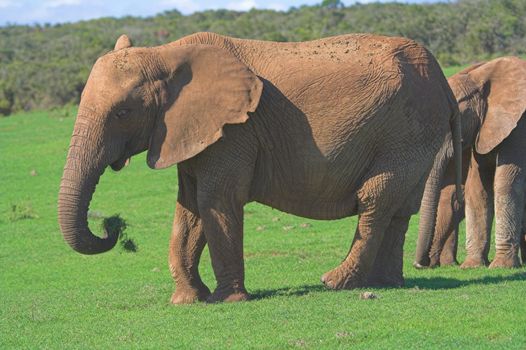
[426, 91]
[443, 133]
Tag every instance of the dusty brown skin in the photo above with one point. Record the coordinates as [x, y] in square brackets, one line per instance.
[325, 129]
[492, 102]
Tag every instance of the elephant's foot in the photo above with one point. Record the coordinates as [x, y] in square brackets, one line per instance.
[448, 261]
[190, 295]
[434, 262]
[228, 295]
[420, 266]
[342, 278]
[472, 262]
[505, 261]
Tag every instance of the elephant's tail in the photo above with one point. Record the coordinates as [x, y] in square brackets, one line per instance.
[456, 131]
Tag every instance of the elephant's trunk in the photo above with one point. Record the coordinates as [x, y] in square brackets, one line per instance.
[84, 166]
[452, 147]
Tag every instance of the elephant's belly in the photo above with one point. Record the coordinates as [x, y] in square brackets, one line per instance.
[323, 196]
[316, 187]
[313, 210]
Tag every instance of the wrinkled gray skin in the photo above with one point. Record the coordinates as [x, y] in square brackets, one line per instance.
[492, 101]
[325, 129]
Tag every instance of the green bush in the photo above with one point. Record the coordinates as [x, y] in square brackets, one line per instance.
[44, 66]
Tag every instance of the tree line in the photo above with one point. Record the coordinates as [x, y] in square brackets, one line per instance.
[45, 66]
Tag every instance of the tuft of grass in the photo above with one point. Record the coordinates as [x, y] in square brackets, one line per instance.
[21, 211]
[115, 225]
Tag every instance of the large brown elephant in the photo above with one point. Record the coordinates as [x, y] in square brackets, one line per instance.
[492, 101]
[324, 129]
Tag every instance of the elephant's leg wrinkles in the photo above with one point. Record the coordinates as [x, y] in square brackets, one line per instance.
[388, 265]
[379, 201]
[449, 252]
[479, 212]
[448, 256]
[507, 230]
[387, 268]
[510, 180]
[445, 227]
[223, 188]
[223, 225]
[186, 245]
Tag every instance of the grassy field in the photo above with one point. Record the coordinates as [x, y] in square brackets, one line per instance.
[52, 297]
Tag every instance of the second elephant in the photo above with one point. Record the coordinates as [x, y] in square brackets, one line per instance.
[492, 101]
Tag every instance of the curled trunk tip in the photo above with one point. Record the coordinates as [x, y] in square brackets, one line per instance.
[76, 191]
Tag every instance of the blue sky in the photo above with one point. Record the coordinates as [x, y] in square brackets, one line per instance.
[54, 11]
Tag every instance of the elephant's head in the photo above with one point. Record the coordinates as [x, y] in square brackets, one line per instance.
[171, 100]
[491, 98]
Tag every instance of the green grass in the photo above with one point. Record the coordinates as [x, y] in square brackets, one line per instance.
[52, 297]
[449, 71]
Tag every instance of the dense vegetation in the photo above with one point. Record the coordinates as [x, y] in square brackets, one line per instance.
[43, 66]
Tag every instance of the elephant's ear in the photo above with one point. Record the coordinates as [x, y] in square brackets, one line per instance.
[208, 88]
[504, 88]
[123, 42]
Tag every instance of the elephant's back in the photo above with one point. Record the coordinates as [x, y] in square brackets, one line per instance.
[362, 49]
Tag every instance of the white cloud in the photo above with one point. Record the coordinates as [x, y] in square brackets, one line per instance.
[277, 6]
[6, 3]
[185, 6]
[243, 5]
[58, 3]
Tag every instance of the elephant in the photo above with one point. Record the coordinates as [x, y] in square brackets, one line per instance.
[322, 129]
[492, 102]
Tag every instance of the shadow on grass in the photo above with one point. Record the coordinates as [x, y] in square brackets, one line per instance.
[450, 283]
[433, 283]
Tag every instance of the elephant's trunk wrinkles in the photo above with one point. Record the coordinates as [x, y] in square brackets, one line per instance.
[452, 147]
[81, 175]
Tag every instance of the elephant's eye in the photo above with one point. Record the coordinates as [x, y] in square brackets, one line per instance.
[122, 113]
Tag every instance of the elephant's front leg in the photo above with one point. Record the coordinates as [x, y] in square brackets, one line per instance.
[510, 184]
[223, 226]
[509, 208]
[479, 210]
[186, 245]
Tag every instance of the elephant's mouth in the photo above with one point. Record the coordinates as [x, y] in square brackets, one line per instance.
[120, 163]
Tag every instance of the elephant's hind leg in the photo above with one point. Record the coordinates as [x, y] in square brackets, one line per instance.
[379, 200]
[387, 269]
[449, 253]
[443, 249]
[186, 245]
